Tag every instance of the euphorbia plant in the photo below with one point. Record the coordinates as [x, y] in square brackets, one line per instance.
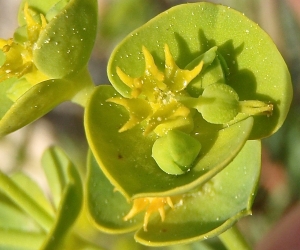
[175, 139]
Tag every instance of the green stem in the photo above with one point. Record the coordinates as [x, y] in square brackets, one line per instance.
[25, 202]
[85, 80]
[196, 103]
[233, 239]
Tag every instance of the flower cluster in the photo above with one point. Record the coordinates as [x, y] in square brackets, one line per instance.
[17, 58]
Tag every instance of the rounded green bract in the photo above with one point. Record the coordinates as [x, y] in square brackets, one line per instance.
[251, 63]
[175, 152]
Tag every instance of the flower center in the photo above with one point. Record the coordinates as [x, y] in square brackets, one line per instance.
[153, 96]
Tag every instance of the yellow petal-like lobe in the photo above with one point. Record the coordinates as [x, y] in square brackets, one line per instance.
[138, 109]
[178, 79]
[151, 205]
[159, 89]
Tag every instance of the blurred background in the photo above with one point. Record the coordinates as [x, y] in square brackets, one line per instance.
[276, 211]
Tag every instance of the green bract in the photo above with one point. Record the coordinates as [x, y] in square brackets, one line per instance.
[199, 214]
[190, 88]
[175, 152]
[251, 63]
[45, 63]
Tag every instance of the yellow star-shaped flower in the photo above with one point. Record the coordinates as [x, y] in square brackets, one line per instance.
[156, 92]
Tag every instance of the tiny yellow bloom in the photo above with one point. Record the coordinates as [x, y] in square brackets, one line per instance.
[151, 205]
[157, 93]
[16, 59]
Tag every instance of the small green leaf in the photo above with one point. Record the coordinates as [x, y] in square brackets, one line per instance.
[12, 217]
[37, 101]
[32, 189]
[71, 196]
[64, 46]
[25, 202]
[55, 165]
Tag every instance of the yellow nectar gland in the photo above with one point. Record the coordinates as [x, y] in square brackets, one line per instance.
[153, 95]
[18, 57]
[151, 205]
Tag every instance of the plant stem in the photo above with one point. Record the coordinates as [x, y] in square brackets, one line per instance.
[233, 239]
[25, 202]
[84, 80]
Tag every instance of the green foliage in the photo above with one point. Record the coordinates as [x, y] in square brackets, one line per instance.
[44, 226]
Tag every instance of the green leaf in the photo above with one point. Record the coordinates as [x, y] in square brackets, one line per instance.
[32, 189]
[55, 165]
[212, 208]
[129, 153]
[71, 196]
[252, 64]
[25, 202]
[37, 101]
[65, 45]
[12, 217]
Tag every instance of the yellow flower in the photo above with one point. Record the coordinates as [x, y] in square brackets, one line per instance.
[16, 59]
[154, 96]
[151, 205]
